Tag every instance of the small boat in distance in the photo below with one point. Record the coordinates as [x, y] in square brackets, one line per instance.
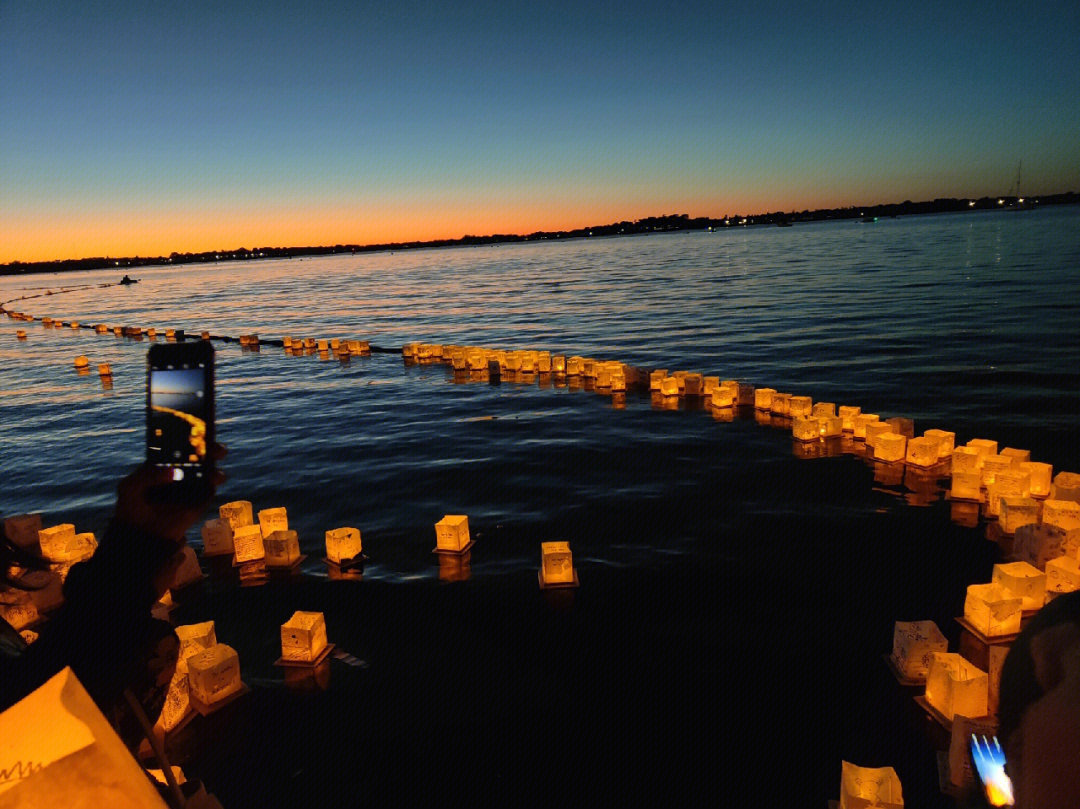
[128, 280]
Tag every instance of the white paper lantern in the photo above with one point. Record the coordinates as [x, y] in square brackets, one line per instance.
[273, 519]
[248, 544]
[1062, 575]
[847, 414]
[217, 536]
[955, 686]
[281, 548]
[1066, 486]
[343, 544]
[946, 442]
[824, 410]
[237, 513]
[303, 637]
[889, 447]
[1038, 544]
[991, 610]
[1023, 581]
[869, 787]
[214, 674]
[763, 398]
[1016, 511]
[914, 643]
[557, 564]
[1039, 477]
[1062, 513]
[800, 406]
[922, 452]
[452, 533]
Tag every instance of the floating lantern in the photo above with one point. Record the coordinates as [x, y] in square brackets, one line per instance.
[1038, 544]
[946, 441]
[724, 396]
[1066, 486]
[862, 787]
[81, 361]
[237, 513]
[104, 370]
[763, 398]
[573, 366]
[217, 537]
[966, 486]
[781, 404]
[558, 364]
[824, 409]
[118, 331]
[557, 565]
[458, 360]
[22, 530]
[188, 571]
[101, 328]
[248, 544]
[56, 540]
[588, 367]
[543, 362]
[618, 381]
[860, 422]
[902, 426]
[309, 343]
[967, 459]
[282, 548]
[875, 428]
[708, 384]
[452, 534]
[1014, 511]
[992, 611]
[847, 414]
[889, 447]
[984, 445]
[669, 386]
[170, 335]
[1023, 581]
[1062, 575]
[1018, 456]
[20, 334]
[692, 384]
[343, 545]
[1039, 477]
[955, 686]
[1007, 483]
[922, 452]
[17, 608]
[73, 324]
[992, 465]
[805, 429]
[151, 333]
[914, 643]
[194, 638]
[214, 676]
[303, 638]
[800, 406]
[1063, 513]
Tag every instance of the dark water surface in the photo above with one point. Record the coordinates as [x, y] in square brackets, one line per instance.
[961, 322]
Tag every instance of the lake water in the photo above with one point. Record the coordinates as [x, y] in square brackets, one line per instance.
[961, 322]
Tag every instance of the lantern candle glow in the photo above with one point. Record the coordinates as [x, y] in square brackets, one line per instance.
[956, 686]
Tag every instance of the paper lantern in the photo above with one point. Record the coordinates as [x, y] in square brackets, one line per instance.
[81, 361]
[763, 398]
[343, 544]
[20, 334]
[55, 540]
[101, 328]
[708, 384]
[273, 519]
[217, 537]
[558, 364]
[588, 367]
[866, 787]
[669, 386]
[18, 609]
[992, 465]
[303, 637]
[984, 446]
[1023, 581]
[452, 533]
[22, 530]
[946, 441]
[966, 486]
[248, 544]
[194, 638]
[281, 548]
[967, 459]
[996, 659]
[781, 404]
[1038, 544]
[914, 643]
[237, 513]
[1062, 575]
[1039, 477]
[824, 409]
[860, 422]
[188, 571]
[214, 675]
[805, 429]
[847, 414]
[800, 406]
[724, 397]
[873, 429]
[963, 727]
[922, 452]
[955, 686]
[557, 565]
[889, 447]
[902, 426]
[1066, 486]
[1062, 513]
[1018, 456]
[573, 366]
[991, 610]
[1016, 511]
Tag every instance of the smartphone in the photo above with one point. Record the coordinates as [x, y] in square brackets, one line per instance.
[989, 761]
[180, 417]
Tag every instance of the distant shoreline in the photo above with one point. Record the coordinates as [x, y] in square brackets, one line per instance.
[653, 224]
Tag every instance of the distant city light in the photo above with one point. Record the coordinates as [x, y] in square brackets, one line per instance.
[971, 203]
[1001, 201]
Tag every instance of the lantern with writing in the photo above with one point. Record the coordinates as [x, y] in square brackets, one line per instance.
[273, 519]
[824, 410]
[1011, 482]
[213, 676]
[992, 465]
[18, 609]
[847, 414]
[194, 638]
[724, 396]
[452, 534]
[946, 441]
[217, 537]
[889, 447]
[966, 485]
[781, 404]
[996, 655]
[1062, 575]
[873, 429]
[991, 610]
[303, 637]
[805, 429]
[237, 514]
[1014, 512]
[1039, 477]
[984, 446]
[763, 398]
[1063, 513]
[800, 406]
[557, 565]
[922, 452]
[1038, 544]
[282, 548]
[1066, 486]
[656, 377]
[1023, 581]
[866, 787]
[963, 727]
[248, 544]
[967, 459]
[956, 686]
[1018, 456]
[56, 541]
[343, 545]
[914, 643]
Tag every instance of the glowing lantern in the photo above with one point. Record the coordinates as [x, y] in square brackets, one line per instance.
[170, 334]
[588, 367]
[101, 328]
[860, 422]
[151, 333]
[217, 537]
[946, 441]
[303, 637]
[1066, 486]
[914, 643]
[991, 610]
[967, 459]
[1038, 544]
[984, 446]
[248, 544]
[1062, 513]
[476, 360]
[865, 787]
[922, 452]
[805, 429]
[955, 686]
[875, 428]
[692, 384]
[1023, 581]
[1018, 456]
[656, 377]
[273, 519]
[1039, 475]
[889, 447]
[20, 334]
[343, 544]
[188, 571]
[573, 366]
[558, 364]
[557, 565]
[724, 396]
[992, 465]
[22, 530]
[902, 426]
[709, 384]
[1016, 511]
[237, 513]
[18, 609]
[452, 533]
[847, 415]
[669, 386]
[118, 331]
[194, 638]
[81, 361]
[824, 409]
[60, 543]
[763, 398]
[966, 486]
[800, 406]
[282, 548]
[1062, 575]
[104, 370]
[408, 351]
[213, 676]
[781, 404]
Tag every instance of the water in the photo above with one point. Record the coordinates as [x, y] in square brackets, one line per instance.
[961, 322]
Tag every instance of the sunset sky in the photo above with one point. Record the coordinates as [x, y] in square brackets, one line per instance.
[136, 128]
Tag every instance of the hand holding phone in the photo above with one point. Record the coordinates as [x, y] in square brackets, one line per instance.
[989, 761]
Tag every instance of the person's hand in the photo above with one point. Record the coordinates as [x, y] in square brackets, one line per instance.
[167, 521]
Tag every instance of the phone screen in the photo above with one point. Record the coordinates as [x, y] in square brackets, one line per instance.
[179, 414]
[989, 761]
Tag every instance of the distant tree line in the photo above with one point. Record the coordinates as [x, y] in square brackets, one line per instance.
[652, 224]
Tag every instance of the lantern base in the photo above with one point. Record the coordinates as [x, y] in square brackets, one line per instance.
[987, 640]
[235, 563]
[934, 713]
[555, 585]
[306, 664]
[205, 710]
[464, 550]
[357, 561]
[901, 678]
[289, 568]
